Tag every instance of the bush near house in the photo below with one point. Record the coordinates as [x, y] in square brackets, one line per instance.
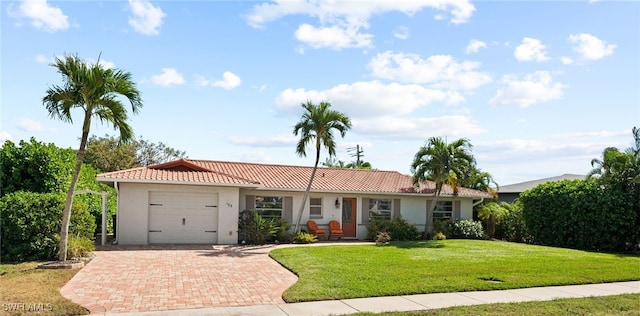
[30, 224]
[459, 229]
[581, 214]
[398, 228]
[512, 227]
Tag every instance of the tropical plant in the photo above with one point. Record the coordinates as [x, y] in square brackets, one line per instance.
[255, 229]
[94, 90]
[480, 180]
[304, 238]
[493, 213]
[442, 163]
[316, 127]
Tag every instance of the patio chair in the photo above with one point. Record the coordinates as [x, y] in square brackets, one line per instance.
[313, 229]
[335, 230]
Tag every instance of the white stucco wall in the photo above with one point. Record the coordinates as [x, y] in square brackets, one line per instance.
[133, 210]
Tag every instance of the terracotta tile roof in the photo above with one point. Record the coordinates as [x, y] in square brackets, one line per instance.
[280, 177]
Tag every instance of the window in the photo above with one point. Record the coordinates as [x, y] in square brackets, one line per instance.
[379, 209]
[443, 211]
[315, 207]
[269, 206]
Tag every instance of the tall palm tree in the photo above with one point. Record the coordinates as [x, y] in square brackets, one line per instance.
[316, 127]
[94, 90]
[443, 164]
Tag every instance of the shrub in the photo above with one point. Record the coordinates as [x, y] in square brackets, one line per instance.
[382, 239]
[467, 229]
[79, 247]
[282, 234]
[398, 228]
[304, 238]
[581, 214]
[444, 227]
[439, 236]
[254, 229]
[512, 227]
[31, 224]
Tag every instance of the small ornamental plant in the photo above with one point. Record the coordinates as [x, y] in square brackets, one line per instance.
[304, 238]
[382, 238]
[439, 236]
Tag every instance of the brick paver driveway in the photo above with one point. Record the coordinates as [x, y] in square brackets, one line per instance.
[132, 279]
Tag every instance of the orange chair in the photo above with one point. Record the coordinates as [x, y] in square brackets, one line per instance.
[313, 229]
[335, 230]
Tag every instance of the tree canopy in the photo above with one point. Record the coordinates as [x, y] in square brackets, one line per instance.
[107, 154]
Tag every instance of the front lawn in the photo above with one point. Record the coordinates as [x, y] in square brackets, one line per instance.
[339, 272]
[623, 305]
[26, 290]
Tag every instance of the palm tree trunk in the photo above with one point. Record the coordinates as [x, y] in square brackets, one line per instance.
[426, 223]
[306, 192]
[66, 214]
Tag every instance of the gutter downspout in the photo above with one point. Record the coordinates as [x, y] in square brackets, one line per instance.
[478, 203]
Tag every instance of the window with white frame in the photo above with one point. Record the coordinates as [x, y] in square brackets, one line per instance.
[269, 206]
[315, 207]
[379, 209]
[443, 211]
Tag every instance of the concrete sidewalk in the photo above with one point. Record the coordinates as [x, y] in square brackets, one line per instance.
[414, 302]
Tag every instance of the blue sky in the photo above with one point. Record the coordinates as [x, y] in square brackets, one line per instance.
[539, 88]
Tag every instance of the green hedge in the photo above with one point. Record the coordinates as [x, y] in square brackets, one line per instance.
[581, 214]
[398, 228]
[30, 224]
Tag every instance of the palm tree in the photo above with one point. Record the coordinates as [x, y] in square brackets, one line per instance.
[442, 163]
[493, 213]
[94, 90]
[316, 127]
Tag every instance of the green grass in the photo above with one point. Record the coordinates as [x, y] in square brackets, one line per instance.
[627, 304]
[339, 272]
[24, 287]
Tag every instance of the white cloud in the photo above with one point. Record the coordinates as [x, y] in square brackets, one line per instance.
[334, 37]
[368, 99]
[29, 125]
[566, 60]
[474, 46]
[339, 23]
[146, 18]
[42, 59]
[4, 136]
[440, 71]
[417, 128]
[42, 15]
[228, 82]
[168, 77]
[104, 63]
[256, 156]
[534, 88]
[531, 49]
[402, 32]
[265, 141]
[590, 47]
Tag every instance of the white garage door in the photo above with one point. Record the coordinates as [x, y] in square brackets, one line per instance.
[183, 217]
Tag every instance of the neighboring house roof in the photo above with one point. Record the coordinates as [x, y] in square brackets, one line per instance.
[279, 177]
[524, 186]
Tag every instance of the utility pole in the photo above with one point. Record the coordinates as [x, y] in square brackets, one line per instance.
[357, 154]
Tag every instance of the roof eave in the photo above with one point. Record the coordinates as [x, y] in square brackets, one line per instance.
[150, 181]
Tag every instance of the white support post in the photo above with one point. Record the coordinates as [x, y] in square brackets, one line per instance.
[104, 219]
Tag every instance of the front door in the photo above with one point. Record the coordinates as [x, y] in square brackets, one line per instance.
[349, 217]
